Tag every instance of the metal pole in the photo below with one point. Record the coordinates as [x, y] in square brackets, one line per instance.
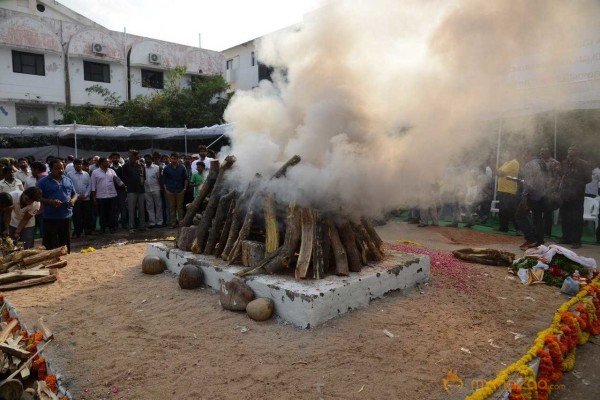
[75, 132]
[497, 159]
[185, 138]
[555, 124]
[215, 141]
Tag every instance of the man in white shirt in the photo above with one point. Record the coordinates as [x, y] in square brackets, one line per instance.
[152, 193]
[104, 195]
[203, 156]
[10, 183]
[19, 219]
[83, 218]
[69, 167]
[24, 174]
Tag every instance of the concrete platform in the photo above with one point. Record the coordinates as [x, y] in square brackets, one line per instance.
[311, 302]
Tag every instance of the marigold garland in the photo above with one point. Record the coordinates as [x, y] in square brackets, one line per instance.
[569, 362]
[516, 392]
[556, 355]
[39, 366]
[51, 382]
[545, 372]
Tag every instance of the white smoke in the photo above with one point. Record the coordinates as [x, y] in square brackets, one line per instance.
[379, 96]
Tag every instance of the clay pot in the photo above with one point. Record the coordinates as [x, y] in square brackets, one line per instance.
[153, 265]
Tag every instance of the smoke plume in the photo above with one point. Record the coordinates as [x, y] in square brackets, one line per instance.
[379, 97]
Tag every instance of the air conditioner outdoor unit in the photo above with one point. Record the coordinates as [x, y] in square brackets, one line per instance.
[98, 48]
[155, 58]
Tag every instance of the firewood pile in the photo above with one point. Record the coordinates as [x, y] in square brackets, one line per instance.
[23, 370]
[24, 268]
[254, 229]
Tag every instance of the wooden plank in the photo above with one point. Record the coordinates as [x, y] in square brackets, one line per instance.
[372, 233]
[14, 351]
[339, 253]
[44, 255]
[307, 222]
[236, 252]
[225, 231]
[361, 233]
[252, 253]
[55, 264]
[318, 252]
[349, 242]
[40, 326]
[29, 282]
[289, 163]
[21, 275]
[271, 227]
[282, 257]
[213, 203]
[7, 331]
[214, 233]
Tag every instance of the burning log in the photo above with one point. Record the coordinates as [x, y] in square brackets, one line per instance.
[186, 237]
[252, 253]
[289, 163]
[349, 242]
[272, 240]
[246, 229]
[213, 202]
[226, 228]
[339, 253]
[281, 258]
[218, 223]
[205, 190]
[244, 233]
[307, 222]
[372, 233]
[363, 236]
[239, 216]
[320, 251]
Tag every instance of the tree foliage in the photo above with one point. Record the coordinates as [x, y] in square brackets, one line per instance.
[201, 103]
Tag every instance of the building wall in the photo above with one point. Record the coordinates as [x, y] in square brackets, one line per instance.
[239, 72]
[66, 40]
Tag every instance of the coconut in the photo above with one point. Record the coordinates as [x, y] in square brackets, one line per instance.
[190, 277]
[260, 309]
[153, 265]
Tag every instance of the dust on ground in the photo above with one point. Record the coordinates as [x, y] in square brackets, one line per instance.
[142, 336]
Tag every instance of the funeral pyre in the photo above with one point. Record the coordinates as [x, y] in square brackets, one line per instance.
[266, 236]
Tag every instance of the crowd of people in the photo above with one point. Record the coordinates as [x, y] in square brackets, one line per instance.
[68, 198]
[64, 198]
[531, 187]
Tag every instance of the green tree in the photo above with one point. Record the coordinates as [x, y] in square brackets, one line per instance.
[201, 103]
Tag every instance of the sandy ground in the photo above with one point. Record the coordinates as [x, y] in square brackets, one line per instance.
[118, 330]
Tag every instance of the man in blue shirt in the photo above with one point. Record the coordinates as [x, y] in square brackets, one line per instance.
[58, 198]
[175, 182]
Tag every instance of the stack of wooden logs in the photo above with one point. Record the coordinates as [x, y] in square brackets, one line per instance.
[24, 268]
[18, 350]
[254, 229]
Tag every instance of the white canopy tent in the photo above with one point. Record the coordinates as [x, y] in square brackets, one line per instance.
[117, 132]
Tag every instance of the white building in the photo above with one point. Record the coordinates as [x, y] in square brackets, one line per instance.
[243, 70]
[49, 55]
